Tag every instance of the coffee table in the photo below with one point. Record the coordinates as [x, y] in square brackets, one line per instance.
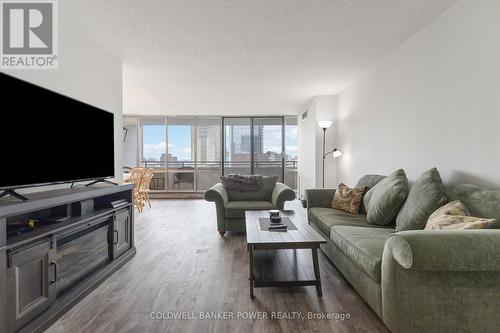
[280, 258]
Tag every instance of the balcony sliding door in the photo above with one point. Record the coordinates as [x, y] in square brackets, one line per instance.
[208, 152]
[154, 150]
[237, 146]
[254, 145]
[180, 154]
[268, 147]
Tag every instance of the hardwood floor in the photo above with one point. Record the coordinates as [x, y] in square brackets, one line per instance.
[184, 267]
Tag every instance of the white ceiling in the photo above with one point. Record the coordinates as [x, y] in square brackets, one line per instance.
[244, 56]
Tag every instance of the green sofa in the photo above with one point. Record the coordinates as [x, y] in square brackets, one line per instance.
[231, 211]
[418, 280]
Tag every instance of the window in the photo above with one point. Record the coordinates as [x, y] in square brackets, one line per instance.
[268, 147]
[154, 150]
[237, 146]
[190, 153]
[209, 152]
[180, 154]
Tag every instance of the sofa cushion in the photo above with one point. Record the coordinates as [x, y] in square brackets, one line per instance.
[363, 245]
[481, 202]
[426, 195]
[325, 218]
[368, 181]
[384, 200]
[263, 193]
[236, 209]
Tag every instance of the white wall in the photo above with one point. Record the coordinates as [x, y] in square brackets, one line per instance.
[311, 143]
[435, 101]
[306, 150]
[130, 147]
[87, 73]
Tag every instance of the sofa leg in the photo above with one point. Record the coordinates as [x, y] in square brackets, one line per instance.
[222, 232]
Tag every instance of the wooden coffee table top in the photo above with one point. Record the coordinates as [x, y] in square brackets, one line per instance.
[304, 236]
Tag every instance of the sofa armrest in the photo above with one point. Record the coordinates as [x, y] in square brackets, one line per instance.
[281, 193]
[319, 197]
[217, 194]
[441, 281]
[458, 250]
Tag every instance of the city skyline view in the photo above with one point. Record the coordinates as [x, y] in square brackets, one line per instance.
[180, 142]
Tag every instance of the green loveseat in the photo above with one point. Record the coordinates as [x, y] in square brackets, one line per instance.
[231, 210]
[418, 280]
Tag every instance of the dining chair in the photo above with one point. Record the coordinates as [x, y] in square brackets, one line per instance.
[136, 176]
[146, 185]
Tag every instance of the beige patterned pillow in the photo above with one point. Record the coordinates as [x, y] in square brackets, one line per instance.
[348, 199]
[455, 216]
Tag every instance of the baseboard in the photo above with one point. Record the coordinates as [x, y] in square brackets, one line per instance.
[177, 195]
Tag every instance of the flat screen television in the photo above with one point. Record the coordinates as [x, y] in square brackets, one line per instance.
[48, 138]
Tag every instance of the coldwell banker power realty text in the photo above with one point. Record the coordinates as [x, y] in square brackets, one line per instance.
[29, 34]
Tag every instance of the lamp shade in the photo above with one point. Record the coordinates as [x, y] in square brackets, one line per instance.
[336, 153]
[325, 123]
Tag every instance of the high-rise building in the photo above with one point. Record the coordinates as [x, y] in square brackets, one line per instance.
[258, 139]
[168, 158]
[209, 144]
[240, 136]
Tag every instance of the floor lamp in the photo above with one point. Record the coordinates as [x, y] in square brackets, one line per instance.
[324, 124]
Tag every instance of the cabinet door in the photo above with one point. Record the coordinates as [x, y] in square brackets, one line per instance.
[31, 275]
[121, 233]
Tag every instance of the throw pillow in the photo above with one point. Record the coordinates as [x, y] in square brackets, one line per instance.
[455, 216]
[368, 181]
[426, 195]
[240, 183]
[383, 201]
[243, 188]
[348, 199]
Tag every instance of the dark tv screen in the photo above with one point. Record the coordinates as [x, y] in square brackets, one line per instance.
[49, 138]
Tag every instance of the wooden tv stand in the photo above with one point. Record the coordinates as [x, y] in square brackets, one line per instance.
[47, 270]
